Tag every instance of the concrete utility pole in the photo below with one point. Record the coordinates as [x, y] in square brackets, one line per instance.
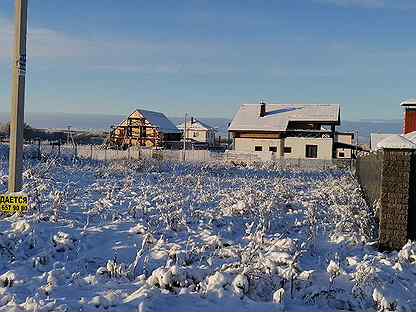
[18, 100]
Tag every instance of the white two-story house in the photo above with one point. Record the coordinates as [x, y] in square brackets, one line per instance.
[198, 131]
[290, 131]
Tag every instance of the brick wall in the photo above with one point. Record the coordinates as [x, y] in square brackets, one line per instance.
[390, 176]
[397, 198]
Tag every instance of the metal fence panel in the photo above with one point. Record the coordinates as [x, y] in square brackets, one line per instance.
[369, 174]
[98, 152]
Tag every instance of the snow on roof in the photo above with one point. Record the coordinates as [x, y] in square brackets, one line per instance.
[158, 120]
[196, 125]
[376, 138]
[411, 136]
[396, 141]
[409, 102]
[277, 116]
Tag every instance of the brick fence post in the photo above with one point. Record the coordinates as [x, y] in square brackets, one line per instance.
[397, 199]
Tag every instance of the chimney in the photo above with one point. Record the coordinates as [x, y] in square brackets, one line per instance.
[262, 109]
[409, 124]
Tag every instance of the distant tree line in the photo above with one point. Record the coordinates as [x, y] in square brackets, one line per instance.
[32, 134]
[29, 133]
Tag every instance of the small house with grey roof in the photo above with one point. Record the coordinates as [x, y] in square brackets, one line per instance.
[198, 131]
[291, 131]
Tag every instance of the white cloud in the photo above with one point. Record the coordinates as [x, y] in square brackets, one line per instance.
[361, 3]
[42, 43]
[49, 48]
[5, 39]
[47, 43]
[376, 4]
[125, 68]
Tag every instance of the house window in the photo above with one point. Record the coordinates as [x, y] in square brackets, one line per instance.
[196, 134]
[341, 154]
[288, 149]
[258, 148]
[273, 149]
[311, 151]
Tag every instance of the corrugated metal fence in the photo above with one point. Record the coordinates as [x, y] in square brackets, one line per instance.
[369, 174]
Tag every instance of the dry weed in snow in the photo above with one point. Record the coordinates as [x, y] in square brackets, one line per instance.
[152, 235]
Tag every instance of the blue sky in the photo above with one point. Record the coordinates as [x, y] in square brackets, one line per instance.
[207, 57]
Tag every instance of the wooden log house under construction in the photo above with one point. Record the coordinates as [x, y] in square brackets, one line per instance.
[145, 128]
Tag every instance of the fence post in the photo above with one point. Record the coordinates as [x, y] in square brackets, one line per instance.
[39, 154]
[75, 151]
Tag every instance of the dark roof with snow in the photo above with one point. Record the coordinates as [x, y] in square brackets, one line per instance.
[409, 102]
[396, 141]
[196, 125]
[158, 120]
[278, 116]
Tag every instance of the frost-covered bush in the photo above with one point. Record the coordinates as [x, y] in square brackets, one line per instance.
[365, 278]
[114, 270]
[29, 152]
[255, 238]
[4, 152]
[408, 253]
[63, 241]
[168, 278]
[7, 279]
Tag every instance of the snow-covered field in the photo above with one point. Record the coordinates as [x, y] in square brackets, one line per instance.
[159, 236]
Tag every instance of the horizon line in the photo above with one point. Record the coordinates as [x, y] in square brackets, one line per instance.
[199, 116]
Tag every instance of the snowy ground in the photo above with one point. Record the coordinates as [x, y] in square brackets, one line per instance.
[152, 236]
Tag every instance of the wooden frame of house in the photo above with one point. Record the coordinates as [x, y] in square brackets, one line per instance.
[144, 128]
